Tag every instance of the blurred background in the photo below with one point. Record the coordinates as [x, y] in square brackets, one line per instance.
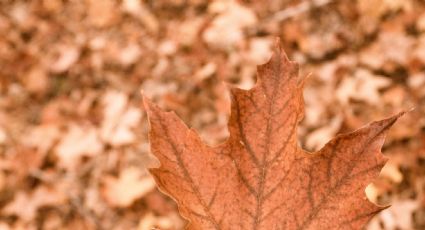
[73, 134]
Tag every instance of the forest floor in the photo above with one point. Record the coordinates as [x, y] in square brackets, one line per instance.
[74, 148]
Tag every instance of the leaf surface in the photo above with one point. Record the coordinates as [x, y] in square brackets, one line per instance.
[260, 178]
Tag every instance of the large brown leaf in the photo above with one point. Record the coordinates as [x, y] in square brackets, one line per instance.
[260, 178]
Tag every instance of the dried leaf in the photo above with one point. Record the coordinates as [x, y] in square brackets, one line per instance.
[260, 178]
[149, 221]
[101, 13]
[26, 205]
[36, 80]
[138, 9]
[42, 137]
[119, 119]
[364, 86]
[68, 56]
[78, 142]
[320, 136]
[398, 216]
[130, 186]
[226, 30]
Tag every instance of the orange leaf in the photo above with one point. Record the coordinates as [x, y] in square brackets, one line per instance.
[260, 178]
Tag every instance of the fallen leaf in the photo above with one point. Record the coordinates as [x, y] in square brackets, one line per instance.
[53, 6]
[320, 136]
[26, 205]
[259, 50]
[398, 216]
[205, 72]
[226, 30]
[318, 45]
[131, 185]
[260, 178]
[188, 30]
[364, 86]
[394, 47]
[392, 172]
[78, 142]
[42, 137]
[149, 221]
[129, 54]
[377, 8]
[36, 80]
[119, 119]
[24, 162]
[68, 56]
[138, 9]
[102, 13]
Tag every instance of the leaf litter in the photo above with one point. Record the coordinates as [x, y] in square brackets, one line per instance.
[59, 60]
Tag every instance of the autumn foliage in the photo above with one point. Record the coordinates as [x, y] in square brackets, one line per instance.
[260, 178]
[74, 147]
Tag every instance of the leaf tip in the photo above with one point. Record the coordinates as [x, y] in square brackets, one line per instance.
[411, 109]
[385, 124]
[277, 43]
[392, 119]
[152, 110]
[279, 51]
[148, 105]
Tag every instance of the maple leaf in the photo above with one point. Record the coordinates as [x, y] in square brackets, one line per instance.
[260, 178]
